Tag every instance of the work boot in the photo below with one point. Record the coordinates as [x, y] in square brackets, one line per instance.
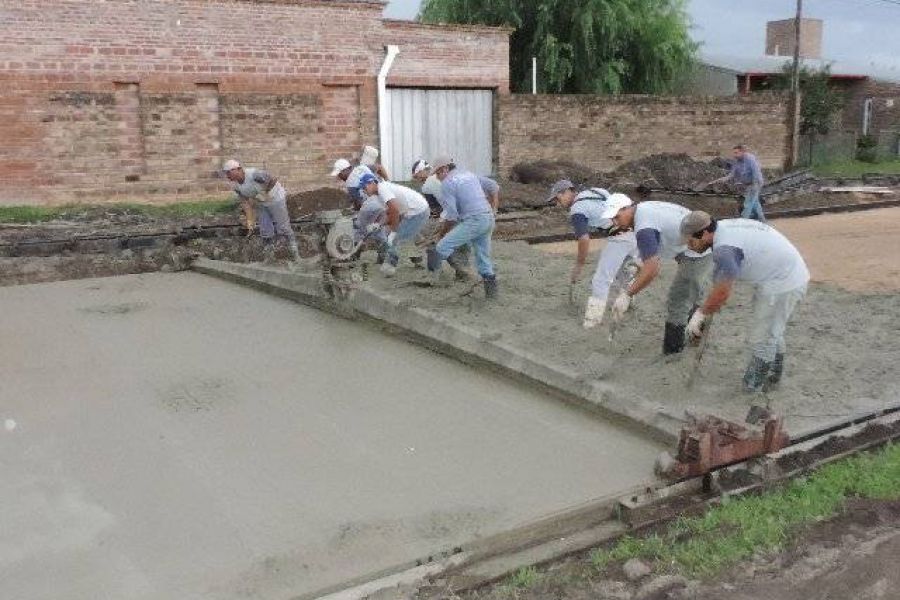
[433, 260]
[776, 370]
[756, 375]
[490, 286]
[459, 268]
[416, 261]
[594, 312]
[673, 339]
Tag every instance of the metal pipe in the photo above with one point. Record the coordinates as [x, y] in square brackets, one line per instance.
[384, 110]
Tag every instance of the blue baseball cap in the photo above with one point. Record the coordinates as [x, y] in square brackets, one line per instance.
[366, 179]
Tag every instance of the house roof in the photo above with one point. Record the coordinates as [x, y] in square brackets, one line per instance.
[771, 65]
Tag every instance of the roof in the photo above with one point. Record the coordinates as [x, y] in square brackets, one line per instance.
[771, 65]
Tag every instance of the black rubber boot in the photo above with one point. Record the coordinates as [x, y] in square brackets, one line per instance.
[673, 340]
[756, 375]
[776, 370]
[459, 267]
[490, 286]
[433, 260]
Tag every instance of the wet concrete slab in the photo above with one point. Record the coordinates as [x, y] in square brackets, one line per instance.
[176, 436]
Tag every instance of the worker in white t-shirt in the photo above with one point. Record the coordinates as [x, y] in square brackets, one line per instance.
[751, 251]
[405, 214]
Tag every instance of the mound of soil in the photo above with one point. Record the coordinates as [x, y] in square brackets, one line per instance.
[548, 172]
[671, 171]
[325, 198]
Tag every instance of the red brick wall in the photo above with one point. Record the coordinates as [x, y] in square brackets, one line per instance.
[604, 131]
[142, 100]
[885, 106]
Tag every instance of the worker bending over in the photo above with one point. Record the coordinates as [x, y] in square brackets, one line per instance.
[349, 174]
[657, 231]
[262, 192]
[405, 214]
[619, 256]
[746, 250]
[468, 219]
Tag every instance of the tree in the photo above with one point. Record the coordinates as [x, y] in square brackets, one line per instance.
[584, 46]
[819, 101]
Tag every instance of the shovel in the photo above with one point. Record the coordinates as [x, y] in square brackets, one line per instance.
[698, 357]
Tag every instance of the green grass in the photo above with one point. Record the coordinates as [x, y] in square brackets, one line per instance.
[737, 529]
[524, 578]
[179, 210]
[856, 168]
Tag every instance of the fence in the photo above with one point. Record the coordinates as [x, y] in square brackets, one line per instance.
[834, 147]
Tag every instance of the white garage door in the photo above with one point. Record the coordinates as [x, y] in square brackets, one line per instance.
[425, 123]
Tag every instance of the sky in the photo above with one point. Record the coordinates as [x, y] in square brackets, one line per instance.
[859, 32]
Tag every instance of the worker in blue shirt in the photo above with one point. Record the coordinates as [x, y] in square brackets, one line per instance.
[747, 176]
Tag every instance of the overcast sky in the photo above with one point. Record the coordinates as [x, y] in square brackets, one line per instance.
[856, 31]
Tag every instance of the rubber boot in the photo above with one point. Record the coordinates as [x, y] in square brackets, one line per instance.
[459, 268]
[490, 286]
[756, 375]
[433, 260]
[673, 339]
[776, 370]
[594, 312]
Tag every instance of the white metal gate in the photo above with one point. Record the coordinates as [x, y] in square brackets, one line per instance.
[428, 122]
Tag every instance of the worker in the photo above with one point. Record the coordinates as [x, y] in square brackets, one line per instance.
[349, 174]
[405, 214]
[585, 210]
[469, 219]
[746, 250]
[747, 176]
[657, 232]
[265, 194]
[431, 185]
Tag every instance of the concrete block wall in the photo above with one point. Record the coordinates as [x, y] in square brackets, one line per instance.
[603, 132]
[141, 100]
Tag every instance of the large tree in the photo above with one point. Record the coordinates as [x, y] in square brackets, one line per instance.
[584, 46]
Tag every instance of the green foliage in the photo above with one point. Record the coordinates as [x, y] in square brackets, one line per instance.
[734, 531]
[585, 46]
[819, 101]
[42, 214]
[523, 578]
[867, 149]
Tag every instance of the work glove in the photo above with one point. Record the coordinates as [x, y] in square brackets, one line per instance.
[696, 324]
[372, 228]
[391, 237]
[621, 306]
[594, 312]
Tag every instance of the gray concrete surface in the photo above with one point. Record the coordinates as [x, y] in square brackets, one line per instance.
[175, 436]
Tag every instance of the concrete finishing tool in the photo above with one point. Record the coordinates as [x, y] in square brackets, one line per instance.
[339, 251]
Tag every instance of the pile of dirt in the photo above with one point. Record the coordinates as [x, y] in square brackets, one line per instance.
[670, 171]
[547, 172]
[305, 203]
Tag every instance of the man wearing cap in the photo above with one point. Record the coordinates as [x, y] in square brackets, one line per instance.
[469, 219]
[657, 231]
[585, 215]
[746, 250]
[405, 214]
[747, 175]
[350, 175]
[259, 187]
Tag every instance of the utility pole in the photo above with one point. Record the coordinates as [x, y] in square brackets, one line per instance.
[795, 90]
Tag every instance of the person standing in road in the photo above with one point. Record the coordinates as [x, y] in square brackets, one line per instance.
[747, 175]
[746, 250]
[262, 191]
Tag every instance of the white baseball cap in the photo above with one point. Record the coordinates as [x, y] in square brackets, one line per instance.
[369, 156]
[231, 165]
[614, 204]
[339, 165]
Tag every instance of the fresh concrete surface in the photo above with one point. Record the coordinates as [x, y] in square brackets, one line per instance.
[179, 437]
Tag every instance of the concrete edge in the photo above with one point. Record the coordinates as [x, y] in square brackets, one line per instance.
[462, 343]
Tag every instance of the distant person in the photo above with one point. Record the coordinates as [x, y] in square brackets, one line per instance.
[745, 250]
[747, 176]
[261, 191]
[585, 216]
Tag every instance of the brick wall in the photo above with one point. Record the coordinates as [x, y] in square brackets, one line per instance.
[885, 106]
[605, 131]
[133, 99]
[780, 37]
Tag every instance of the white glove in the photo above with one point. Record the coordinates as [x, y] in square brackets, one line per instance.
[372, 228]
[594, 312]
[621, 306]
[391, 237]
[695, 325]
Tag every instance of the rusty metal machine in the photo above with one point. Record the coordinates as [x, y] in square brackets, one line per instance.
[707, 443]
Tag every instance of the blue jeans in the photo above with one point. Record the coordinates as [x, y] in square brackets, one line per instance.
[475, 230]
[752, 206]
[407, 231]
